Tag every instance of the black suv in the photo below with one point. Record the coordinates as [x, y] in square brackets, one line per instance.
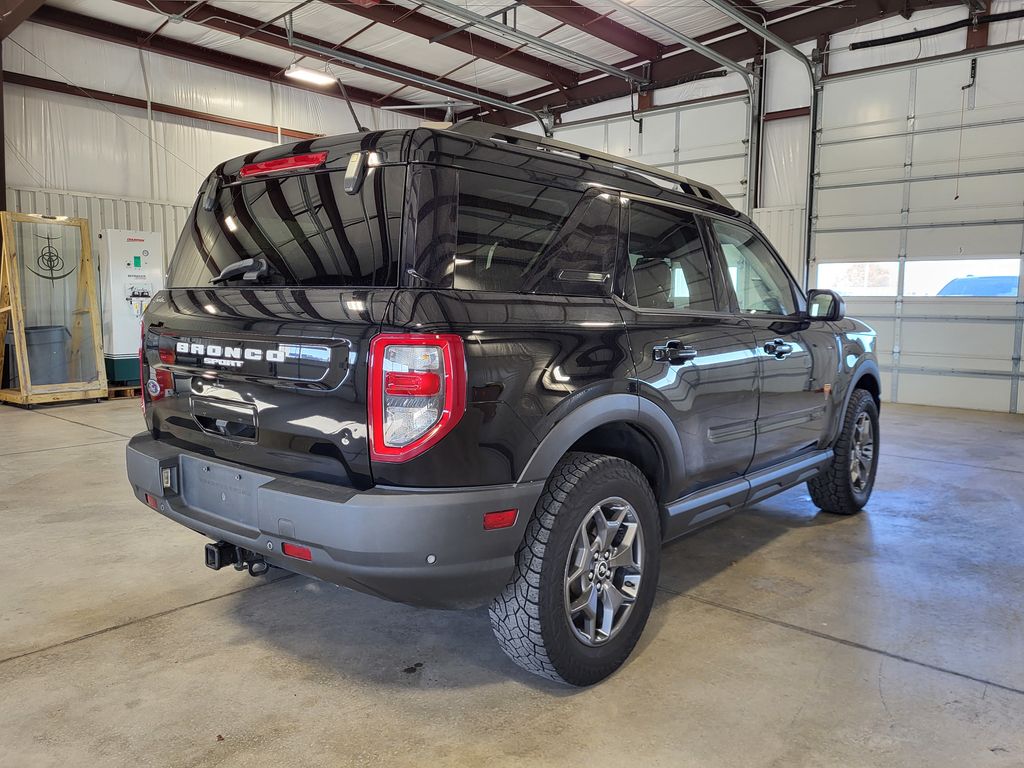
[470, 366]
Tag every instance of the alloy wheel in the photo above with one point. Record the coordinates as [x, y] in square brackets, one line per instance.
[862, 453]
[603, 571]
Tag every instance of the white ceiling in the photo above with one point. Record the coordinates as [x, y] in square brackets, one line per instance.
[331, 24]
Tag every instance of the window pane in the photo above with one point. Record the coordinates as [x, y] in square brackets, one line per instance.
[761, 284]
[666, 254]
[863, 278]
[307, 228]
[962, 277]
[504, 227]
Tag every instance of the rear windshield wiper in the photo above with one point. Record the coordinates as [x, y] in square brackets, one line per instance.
[253, 270]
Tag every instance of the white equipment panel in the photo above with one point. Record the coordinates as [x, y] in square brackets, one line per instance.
[131, 272]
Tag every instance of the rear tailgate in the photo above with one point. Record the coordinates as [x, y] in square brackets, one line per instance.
[272, 378]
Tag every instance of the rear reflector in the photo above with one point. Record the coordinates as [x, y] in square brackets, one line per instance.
[294, 550]
[506, 518]
[153, 501]
[293, 163]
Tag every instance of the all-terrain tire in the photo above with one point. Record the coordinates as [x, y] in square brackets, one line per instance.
[834, 489]
[529, 617]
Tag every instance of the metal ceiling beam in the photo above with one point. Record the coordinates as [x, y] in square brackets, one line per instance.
[689, 42]
[13, 12]
[458, 12]
[359, 62]
[137, 38]
[600, 26]
[760, 30]
[55, 86]
[795, 29]
[427, 27]
[276, 36]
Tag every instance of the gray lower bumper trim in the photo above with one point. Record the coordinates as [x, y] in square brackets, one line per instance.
[377, 541]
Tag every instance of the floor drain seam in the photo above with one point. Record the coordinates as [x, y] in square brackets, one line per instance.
[64, 447]
[81, 424]
[122, 625]
[954, 463]
[839, 640]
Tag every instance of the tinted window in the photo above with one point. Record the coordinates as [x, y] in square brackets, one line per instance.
[309, 231]
[520, 237]
[761, 284]
[669, 264]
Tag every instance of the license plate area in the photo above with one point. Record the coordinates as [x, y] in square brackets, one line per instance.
[234, 421]
[222, 491]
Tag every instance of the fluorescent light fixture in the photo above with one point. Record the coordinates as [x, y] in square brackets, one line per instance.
[230, 223]
[312, 76]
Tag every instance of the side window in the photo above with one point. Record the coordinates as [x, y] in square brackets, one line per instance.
[508, 232]
[669, 264]
[761, 284]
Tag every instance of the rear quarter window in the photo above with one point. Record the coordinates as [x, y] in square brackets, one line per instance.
[519, 237]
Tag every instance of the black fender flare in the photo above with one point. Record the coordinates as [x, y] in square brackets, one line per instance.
[607, 409]
[864, 367]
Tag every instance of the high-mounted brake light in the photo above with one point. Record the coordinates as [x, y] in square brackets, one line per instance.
[417, 392]
[293, 163]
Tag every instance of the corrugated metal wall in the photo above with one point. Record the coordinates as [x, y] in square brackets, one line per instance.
[104, 212]
[784, 226]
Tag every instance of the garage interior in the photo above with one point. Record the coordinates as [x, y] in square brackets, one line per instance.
[879, 145]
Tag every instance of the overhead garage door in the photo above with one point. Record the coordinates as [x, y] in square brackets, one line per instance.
[919, 222]
[706, 142]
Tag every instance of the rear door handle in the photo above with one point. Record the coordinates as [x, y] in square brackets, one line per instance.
[779, 348]
[674, 352]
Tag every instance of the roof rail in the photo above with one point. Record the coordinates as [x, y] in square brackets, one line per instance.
[657, 175]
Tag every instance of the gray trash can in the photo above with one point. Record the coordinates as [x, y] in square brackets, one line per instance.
[47, 355]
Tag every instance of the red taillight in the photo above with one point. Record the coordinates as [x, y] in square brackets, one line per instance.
[294, 550]
[412, 384]
[506, 518]
[152, 501]
[155, 383]
[142, 369]
[293, 163]
[417, 392]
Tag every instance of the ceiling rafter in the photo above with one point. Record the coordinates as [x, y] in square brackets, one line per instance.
[672, 69]
[14, 12]
[419, 24]
[137, 38]
[600, 26]
[222, 20]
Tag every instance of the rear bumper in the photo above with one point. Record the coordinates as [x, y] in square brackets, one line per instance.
[376, 541]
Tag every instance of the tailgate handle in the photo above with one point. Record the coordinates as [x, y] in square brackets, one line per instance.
[236, 421]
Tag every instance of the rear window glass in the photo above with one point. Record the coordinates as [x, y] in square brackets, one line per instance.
[520, 237]
[305, 227]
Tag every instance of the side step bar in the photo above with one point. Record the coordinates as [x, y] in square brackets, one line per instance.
[710, 504]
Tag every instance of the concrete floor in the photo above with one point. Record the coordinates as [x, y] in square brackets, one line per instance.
[781, 637]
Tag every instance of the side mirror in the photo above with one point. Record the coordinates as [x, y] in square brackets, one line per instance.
[825, 305]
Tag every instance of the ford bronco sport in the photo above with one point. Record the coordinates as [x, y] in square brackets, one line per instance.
[473, 366]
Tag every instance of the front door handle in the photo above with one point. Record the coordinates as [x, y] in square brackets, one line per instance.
[674, 353]
[779, 348]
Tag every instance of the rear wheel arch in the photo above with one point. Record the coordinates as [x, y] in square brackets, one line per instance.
[626, 440]
[620, 425]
